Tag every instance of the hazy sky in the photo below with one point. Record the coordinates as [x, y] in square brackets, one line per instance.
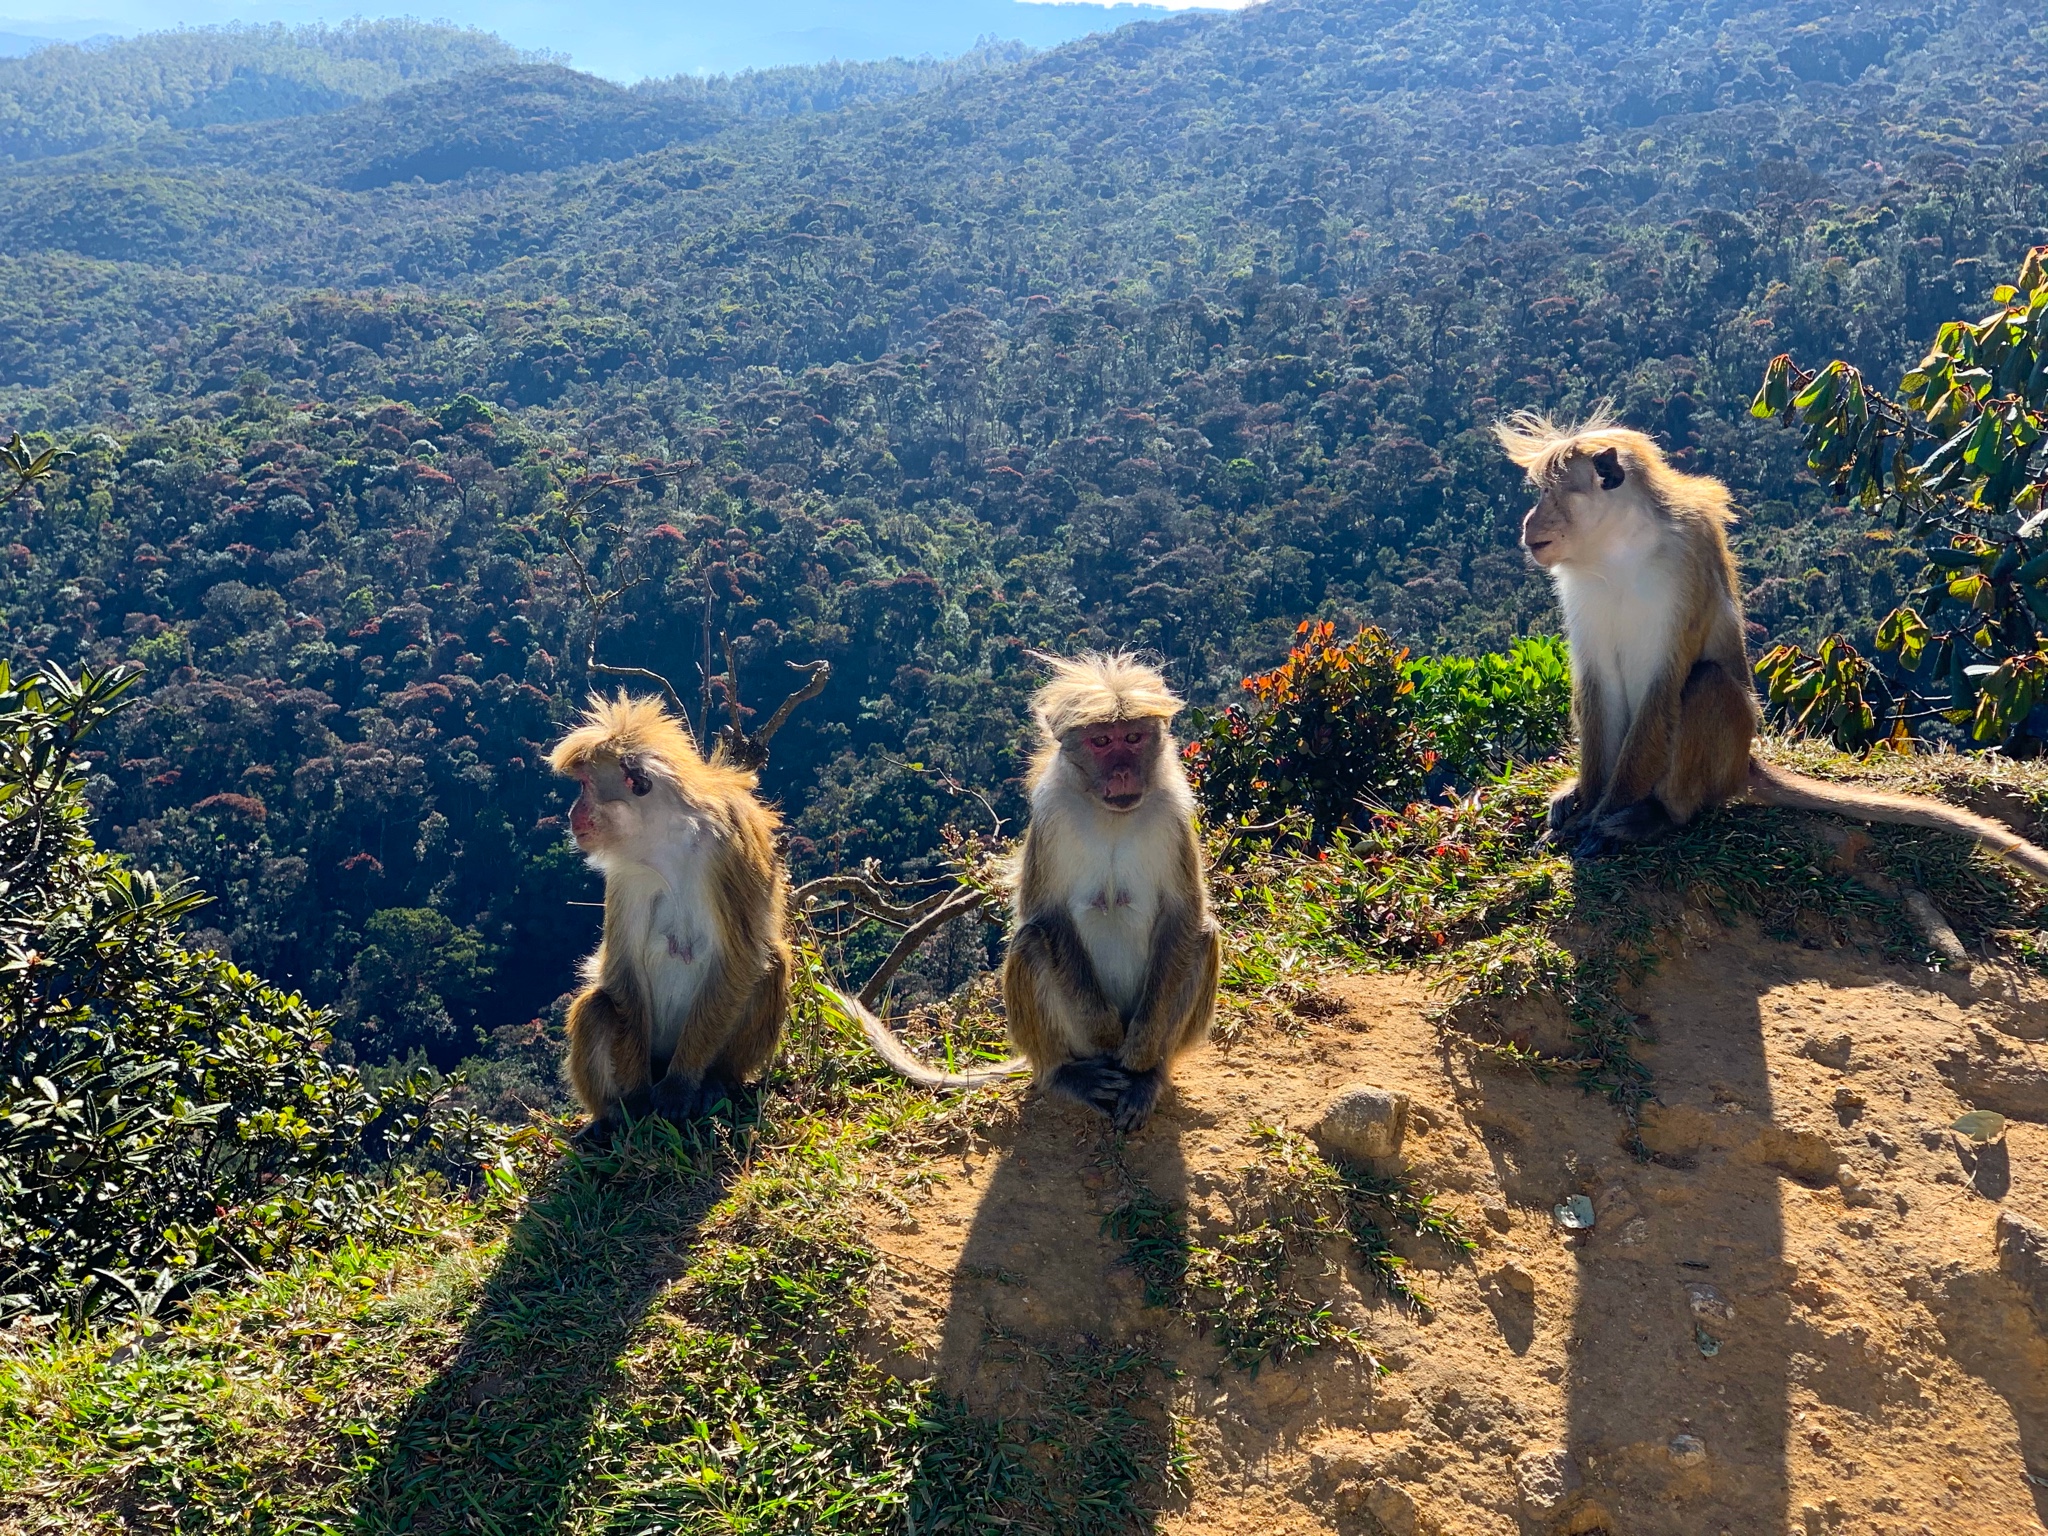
[627, 39]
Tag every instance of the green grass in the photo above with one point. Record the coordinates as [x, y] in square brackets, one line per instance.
[670, 1337]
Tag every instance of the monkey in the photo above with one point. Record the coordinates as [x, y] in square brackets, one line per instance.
[685, 998]
[1113, 962]
[1662, 702]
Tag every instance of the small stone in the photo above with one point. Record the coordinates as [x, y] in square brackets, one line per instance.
[1821, 1441]
[1498, 1217]
[1576, 1214]
[1688, 1450]
[1636, 1232]
[1512, 1277]
[1547, 1478]
[1831, 1052]
[1704, 1301]
[1847, 1098]
[2023, 1257]
[1395, 1509]
[1363, 1123]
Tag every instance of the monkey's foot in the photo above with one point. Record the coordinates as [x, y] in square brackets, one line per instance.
[1631, 824]
[1134, 1104]
[595, 1136]
[680, 1102]
[1099, 1082]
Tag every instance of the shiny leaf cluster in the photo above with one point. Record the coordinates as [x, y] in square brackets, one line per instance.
[1956, 457]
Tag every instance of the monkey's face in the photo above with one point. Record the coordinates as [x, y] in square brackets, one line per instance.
[1118, 760]
[1568, 521]
[613, 802]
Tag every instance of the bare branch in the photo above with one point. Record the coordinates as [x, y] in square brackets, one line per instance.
[750, 749]
[913, 940]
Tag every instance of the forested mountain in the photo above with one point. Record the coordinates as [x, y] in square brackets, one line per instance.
[1172, 337]
[68, 97]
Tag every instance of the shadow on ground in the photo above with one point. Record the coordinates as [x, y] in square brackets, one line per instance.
[1043, 1363]
[498, 1439]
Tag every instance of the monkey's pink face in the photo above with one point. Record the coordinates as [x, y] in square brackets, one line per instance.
[1118, 758]
[611, 790]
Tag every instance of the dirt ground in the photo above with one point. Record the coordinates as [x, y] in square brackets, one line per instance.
[1790, 1319]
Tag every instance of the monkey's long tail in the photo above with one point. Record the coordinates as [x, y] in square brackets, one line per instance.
[892, 1050]
[1795, 791]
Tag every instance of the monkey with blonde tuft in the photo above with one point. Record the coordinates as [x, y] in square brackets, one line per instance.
[686, 995]
[1662, 702]
[1113, 964]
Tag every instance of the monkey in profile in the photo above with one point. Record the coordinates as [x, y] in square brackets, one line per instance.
[686, 995]
[1661, 694]
[1113, 964]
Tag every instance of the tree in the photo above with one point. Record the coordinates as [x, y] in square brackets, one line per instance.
[1956, 456]
[163, 1113]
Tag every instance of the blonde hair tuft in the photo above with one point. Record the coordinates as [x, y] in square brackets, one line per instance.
[1099, 687]
[1545, 449]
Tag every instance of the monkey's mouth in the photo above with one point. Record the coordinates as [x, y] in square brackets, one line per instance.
[1122, 802]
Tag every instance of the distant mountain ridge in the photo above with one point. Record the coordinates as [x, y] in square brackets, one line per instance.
[64, 98]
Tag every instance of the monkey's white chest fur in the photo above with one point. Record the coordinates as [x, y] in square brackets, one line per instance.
[1113, 878]
[671, 935]
[1619, 617]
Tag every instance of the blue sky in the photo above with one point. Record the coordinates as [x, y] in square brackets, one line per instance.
[628, 39]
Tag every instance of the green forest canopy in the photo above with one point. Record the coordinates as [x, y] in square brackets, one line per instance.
[1172, 337]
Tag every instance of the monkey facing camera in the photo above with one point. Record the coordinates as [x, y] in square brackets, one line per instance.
[1112, 967]
[685, 998]
[1662, 703]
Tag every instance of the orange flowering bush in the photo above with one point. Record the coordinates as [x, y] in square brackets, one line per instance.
[1325, 733]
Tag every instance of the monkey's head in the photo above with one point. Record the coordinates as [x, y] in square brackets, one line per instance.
[631, 760]
[1600, 487]
[1104, 722]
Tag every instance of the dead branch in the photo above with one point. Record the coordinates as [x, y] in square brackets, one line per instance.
[961, 903]
[750, 750]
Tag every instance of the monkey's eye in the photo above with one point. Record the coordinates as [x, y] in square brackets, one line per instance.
[1098, 742]
[1133, 739]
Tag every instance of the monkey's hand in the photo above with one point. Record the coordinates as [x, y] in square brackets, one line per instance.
[1099, 1082]
[1134, 1104]
[596, 1136]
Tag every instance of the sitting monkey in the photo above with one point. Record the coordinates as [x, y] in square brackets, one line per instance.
[1661, 696]
[688, 989]
[1113, 963]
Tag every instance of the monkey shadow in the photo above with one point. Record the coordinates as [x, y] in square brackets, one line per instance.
[498, 1439]
[1045, 1376]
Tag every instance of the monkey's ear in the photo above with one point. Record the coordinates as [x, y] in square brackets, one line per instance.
[1607, 462]
[638, 782]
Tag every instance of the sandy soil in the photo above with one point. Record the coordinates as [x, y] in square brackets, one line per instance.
[1807, 1216]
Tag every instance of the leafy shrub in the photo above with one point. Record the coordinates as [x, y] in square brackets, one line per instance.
[1339, 728]
[163, 1113]
[1481, 714]
[1958, 458]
